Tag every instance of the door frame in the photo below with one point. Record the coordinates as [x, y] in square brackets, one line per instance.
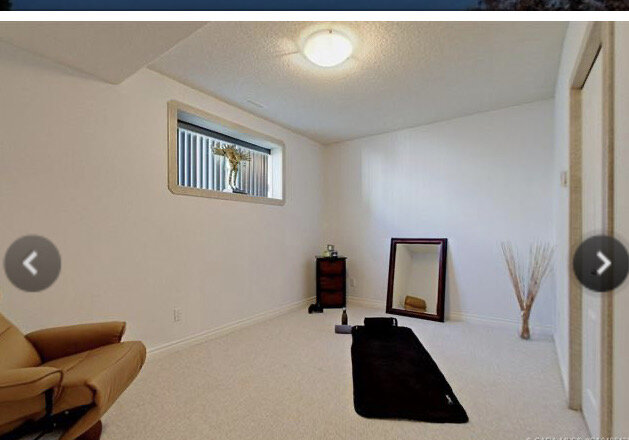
[599, 41]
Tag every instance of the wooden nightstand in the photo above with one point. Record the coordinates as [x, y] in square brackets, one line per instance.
[331, 282]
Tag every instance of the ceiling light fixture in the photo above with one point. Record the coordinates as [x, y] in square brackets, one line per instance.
[327, 48]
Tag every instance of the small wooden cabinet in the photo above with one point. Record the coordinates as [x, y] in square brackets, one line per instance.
[331, 282]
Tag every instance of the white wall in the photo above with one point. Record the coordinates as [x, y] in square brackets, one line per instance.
[84, 163]
[476, 180]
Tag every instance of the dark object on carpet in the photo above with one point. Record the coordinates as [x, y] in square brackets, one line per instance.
[395, 377]
[315, 308]
[59, 423]
[377, 323]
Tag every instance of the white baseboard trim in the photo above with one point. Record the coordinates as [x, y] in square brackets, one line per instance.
[545, 330]
[366, 302]
[171, 347]
[459, 316]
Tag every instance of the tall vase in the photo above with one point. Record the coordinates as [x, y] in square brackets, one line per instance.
[525, 331]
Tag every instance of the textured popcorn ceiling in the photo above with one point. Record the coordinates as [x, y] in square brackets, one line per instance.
[402, 74]
[108, 50]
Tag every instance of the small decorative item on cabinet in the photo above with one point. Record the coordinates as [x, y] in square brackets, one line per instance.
[329, 251]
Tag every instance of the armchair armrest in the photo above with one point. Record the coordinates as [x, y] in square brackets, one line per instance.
[53, 343]
[23, 383]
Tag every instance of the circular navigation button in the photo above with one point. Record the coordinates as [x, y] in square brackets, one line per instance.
[601, 263]
[32, 263]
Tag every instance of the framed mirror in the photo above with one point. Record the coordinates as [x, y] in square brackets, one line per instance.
[417, 277]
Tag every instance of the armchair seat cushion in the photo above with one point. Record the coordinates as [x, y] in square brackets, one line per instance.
[97, 376]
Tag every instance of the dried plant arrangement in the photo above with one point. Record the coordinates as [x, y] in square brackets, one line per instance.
[526, 284]
[234, 155]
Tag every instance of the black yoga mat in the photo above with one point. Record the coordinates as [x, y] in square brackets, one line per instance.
[395, 378]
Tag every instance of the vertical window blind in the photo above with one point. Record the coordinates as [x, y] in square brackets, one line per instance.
[199, 167]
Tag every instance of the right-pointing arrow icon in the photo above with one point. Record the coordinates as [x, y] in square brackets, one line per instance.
[606, 263]
[601, 263]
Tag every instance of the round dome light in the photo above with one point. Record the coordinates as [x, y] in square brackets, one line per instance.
[327, 48]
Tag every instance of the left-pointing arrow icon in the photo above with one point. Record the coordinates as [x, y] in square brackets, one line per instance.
[27, 263]
[606, 263]
[32, 263]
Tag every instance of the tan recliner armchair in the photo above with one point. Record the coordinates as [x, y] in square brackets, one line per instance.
[79, 366]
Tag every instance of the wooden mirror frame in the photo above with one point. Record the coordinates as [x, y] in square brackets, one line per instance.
[441, 286]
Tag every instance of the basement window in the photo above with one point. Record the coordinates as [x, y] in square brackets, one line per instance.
[211, 157]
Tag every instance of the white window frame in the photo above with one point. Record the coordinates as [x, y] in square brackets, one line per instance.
[215, 123]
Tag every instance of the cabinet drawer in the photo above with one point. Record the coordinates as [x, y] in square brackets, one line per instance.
[331, 282]
[332, 298]
[330, 267]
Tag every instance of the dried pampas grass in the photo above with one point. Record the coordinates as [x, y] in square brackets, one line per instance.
[526, 284]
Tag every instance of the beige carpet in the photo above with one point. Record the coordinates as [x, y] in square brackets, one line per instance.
[290, 378]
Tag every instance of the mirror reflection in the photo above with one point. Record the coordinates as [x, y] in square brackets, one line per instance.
[416, 278]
